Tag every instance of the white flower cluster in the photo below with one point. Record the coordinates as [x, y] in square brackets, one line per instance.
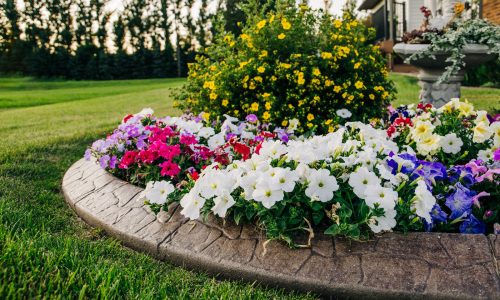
[429, 143]
[351, 158]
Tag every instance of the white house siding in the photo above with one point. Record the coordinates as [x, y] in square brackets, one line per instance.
[413, 15]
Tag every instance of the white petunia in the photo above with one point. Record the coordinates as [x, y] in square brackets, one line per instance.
[265, 194]
[423, 202]
[222, 203]
[421, 130]
[293, 124]
[206, 132]
[145, 112]
[482, 132]
[385, 197]
[157, 191]
[485, 155]
[272, 149]
[215, 183]
[248, 183]
[191, 204]
[429, 145]
[216, 141]
[344, 113]
[361, 179]
[384, 223]
[284, 179]
[321, 185]
[451, 143]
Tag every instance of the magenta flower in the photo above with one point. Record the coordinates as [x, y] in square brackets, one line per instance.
[496, 155]
[169, 168]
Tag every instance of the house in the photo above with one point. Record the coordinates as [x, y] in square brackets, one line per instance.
[407, 16]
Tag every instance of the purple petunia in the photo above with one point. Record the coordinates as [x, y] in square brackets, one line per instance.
[472, 225]
[104, 160]
[460, 201]
[251, 118]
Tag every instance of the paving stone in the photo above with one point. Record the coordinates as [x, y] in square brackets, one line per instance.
[195, 236]
[225, 249]
[323, 245]
[418, 245]
[228, 227]
[339, 270]
[394, 273]
[391, 266]
[474, 282]
[344, 246]
[249, 231]
[467, 249]
[278, 257]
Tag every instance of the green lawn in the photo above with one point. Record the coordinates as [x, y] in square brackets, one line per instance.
[45, 251]
[483, 98]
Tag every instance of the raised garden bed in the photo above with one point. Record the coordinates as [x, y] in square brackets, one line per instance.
[417, 265]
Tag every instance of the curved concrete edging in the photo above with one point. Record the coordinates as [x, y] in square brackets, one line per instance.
[417, 265]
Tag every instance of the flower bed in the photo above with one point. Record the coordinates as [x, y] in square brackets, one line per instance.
[428, 169]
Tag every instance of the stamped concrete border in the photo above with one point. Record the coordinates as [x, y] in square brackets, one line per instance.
[393, 266]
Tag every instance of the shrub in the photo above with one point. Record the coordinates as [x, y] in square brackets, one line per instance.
[293, 63]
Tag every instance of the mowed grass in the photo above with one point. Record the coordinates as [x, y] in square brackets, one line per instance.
[45, 250]
[482, 98]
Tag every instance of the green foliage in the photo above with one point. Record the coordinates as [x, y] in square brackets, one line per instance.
[295, 63]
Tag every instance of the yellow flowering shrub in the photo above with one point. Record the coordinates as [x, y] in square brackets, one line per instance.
[293, 63]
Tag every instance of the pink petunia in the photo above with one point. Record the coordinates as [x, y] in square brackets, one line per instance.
[169, 168]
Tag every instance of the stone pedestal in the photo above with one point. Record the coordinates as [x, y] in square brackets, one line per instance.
[432, 68]
[438, 94]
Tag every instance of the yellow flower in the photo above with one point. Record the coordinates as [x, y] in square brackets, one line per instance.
[255, 106]
[315, 81]
[266, 95]
[266, 116]
[372, 96]
[316, 72]
[271, 19]
[286, 66]
[328, 122]
[301, 80]
[213, 96]
[243, 64]
[337, 89]
[205, 116]
[268, 105]
[326, 55]
[261, 69]
[281, 36]
[258, 78]
[284, 123]
[337, 23]
[286, 25]
[263, 53]
[328, 82]
[245, 36]
[331, 129]
[459, 8]
[356, 65]
[359, 84]
[225, 102]
[252, 85]
[213, 68]
[310, 117]
[261, 24]
[209, 85]
[310, 125]
[316, 99]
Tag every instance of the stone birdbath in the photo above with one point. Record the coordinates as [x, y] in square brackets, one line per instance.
[431, 69]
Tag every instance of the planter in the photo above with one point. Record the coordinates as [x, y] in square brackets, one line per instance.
[431, 69]
[392, 266]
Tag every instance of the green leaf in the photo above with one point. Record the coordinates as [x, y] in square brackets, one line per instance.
[333, 230]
